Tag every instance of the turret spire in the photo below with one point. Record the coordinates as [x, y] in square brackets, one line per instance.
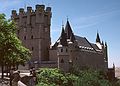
[98, 38]
[105, 44]
[113, 65]
[106, 52]
[69, 32]
[102, 43]
[63, 38]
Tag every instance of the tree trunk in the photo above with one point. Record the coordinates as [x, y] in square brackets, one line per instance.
[2, 69]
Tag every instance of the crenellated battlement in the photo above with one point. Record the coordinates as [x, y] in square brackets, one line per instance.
[30, 11]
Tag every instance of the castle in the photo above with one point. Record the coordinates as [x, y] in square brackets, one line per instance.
[69, 49]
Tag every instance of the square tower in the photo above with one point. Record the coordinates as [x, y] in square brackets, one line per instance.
[34, 30]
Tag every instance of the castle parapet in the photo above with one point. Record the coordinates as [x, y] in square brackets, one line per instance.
[48, 9]
[14, 13]
[41, 15]
[21, 11]
[40, 7]
[29, 9]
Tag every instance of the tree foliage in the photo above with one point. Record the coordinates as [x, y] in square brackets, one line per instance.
[54, 77]
[91, 78]
[12, 52]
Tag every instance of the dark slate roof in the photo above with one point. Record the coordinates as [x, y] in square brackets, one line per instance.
[63, 38]
[95, 46]
[55, 45]
[83, 42]
[69, 32]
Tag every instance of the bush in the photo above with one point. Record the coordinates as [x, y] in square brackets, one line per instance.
[54, 77]
[91, 78]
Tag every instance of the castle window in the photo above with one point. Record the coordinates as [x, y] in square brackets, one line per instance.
[32, 48]
[61, 50]
[24, 37]
[18, 31]
[76, 58]
[32, 37]
[62, 61]
[66, 50]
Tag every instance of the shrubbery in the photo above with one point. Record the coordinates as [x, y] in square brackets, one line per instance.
[55, 77]
[91, 78]
[88, 77]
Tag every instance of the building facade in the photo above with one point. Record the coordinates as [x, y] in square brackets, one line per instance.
[69, 49]
[78, 51]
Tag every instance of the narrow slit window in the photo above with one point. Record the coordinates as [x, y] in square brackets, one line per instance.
[62, 61]
[61, 50]
[32, 48]
[24, 37]
[32, 37]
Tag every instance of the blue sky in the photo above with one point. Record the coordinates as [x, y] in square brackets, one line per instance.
[86, 18]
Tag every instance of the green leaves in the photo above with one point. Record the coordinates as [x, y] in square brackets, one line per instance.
[54, 77]
[12, 51]
[91, 78]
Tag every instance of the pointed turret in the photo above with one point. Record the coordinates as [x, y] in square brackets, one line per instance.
[113, 70]
[103, 49]
[69, 32]
[113, 65]
[98, 38]
[102, 43]
[106, 52]
[98, 42]
[63, 38]
[105, 44]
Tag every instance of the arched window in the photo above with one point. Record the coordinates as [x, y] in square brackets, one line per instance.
[32, 37]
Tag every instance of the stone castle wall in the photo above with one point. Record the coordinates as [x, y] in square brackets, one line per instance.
[93, 60]
[34, 30]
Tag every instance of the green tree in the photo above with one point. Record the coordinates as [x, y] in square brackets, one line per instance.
[54, 77]
[91, 78]
[12, 52]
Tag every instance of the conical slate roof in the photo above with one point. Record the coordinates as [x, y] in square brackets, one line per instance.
[69, 32]
[98, 38]
[63, 38]
[68, 35]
